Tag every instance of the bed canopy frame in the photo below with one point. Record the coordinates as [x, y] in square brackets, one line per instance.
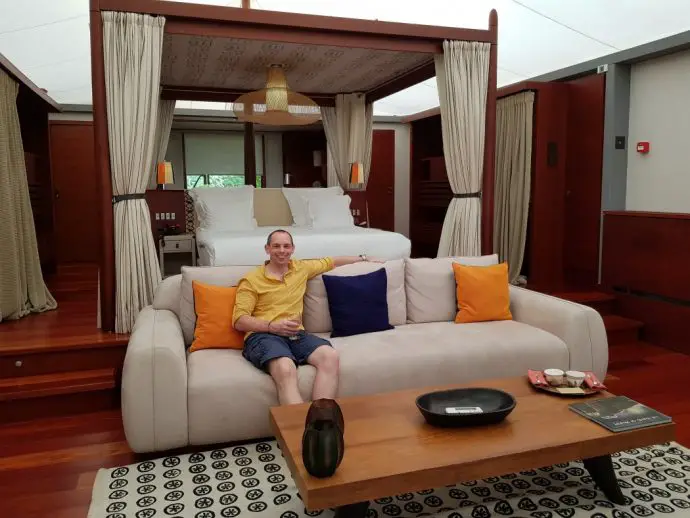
[214, 53]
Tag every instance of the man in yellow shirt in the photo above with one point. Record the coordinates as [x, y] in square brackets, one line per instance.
[268, 307]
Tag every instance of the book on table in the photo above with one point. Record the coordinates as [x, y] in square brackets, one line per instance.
[620, 413]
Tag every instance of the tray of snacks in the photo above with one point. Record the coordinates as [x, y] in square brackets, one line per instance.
[565, 383]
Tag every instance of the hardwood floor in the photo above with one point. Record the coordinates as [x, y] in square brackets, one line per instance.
[72, 325]
[47, 466]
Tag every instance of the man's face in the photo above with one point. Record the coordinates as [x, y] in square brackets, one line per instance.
[280, 249]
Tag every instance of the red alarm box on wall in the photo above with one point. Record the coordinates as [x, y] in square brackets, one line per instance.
[643, 147]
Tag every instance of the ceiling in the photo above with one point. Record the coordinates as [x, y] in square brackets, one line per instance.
[48, 40]
[241, 64]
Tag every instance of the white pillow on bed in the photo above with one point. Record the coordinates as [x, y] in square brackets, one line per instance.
[298, 197]
[225, 209]
[330, 212]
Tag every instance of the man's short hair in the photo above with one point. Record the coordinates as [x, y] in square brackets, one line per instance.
[279, 231]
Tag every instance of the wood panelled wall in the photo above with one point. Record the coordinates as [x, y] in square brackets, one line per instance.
[77, 216]
[562, 249]
[298, 157]
[645, 257]
[430, 192]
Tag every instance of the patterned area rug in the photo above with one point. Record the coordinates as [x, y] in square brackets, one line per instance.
[254, 481]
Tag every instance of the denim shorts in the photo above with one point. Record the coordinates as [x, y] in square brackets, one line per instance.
[260, 348]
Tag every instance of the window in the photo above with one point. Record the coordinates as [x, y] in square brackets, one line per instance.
[217, 159]
[219, 180]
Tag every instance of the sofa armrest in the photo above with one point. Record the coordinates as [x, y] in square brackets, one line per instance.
[154, 383]
[580, 327]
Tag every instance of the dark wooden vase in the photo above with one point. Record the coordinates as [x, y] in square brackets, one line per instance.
[323, 444]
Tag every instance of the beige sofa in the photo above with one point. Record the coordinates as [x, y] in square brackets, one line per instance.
[172, 399]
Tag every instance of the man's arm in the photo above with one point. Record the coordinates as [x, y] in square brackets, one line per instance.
[245, 301]
[246, 323]
[343, 260]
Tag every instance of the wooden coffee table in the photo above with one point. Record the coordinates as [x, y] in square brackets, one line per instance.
[389, 448]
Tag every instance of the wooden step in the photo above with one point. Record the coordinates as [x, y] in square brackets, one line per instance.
[602, 302]
[28, 397]
[621, 330]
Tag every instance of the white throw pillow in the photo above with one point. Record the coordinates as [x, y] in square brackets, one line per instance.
[297, 198]
[430, 286]
[330, 212]
[225, 209]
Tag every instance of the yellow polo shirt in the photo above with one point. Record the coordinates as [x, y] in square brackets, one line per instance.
[269, 299]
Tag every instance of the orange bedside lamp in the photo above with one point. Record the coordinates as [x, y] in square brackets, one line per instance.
[164, 175]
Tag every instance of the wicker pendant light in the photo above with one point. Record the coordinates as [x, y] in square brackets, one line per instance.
[276, 105]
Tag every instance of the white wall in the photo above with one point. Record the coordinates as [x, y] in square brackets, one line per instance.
[402, 174]
[660, 114]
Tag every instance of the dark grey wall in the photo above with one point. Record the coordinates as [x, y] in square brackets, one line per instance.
[616, 113]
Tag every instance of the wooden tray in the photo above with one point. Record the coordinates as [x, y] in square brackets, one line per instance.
[586, 391]
[561, 390]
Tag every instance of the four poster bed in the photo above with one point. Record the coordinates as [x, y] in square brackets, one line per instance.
[148, 53]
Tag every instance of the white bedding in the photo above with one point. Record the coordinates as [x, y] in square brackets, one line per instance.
[247, 248]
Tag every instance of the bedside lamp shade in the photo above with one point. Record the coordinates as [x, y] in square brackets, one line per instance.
[356, 173]
[164, 174]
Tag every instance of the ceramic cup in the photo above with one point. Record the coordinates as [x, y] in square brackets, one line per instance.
[554, 377]
[575, 378]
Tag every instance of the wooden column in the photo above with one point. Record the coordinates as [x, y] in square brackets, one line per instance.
[489, 178]
[249, 154]
[102, 161]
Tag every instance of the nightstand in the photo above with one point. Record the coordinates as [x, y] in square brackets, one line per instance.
[177, 244]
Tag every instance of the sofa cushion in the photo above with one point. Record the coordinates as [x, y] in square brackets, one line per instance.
[213, 307]
[408, 356]
[357, 303]
[229, 398]
[482, 293]
[419, 355]
[214, 275]
[316, 316]
[430, 286]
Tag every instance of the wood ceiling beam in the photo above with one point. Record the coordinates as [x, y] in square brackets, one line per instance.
[283, 21]
[409, 78]
[191, 93]
[301, 36]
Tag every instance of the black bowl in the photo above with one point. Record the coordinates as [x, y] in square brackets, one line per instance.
[465, 407]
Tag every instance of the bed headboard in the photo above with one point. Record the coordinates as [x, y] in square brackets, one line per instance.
[271, 208]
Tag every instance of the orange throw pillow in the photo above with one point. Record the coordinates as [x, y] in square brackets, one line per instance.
[483, 293]
[213, 306]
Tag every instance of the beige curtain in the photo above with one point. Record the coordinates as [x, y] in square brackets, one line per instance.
[166, 110]
[132, 48]
[462, 73]
[22, 289]
[513, 175]
[348, 128]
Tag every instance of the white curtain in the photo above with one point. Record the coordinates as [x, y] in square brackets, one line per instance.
[348, 128]
[462, 74]
[166, 110]
[22, 289]
[514, 116]
[132, 48]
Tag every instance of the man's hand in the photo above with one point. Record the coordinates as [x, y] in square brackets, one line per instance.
[284, 327]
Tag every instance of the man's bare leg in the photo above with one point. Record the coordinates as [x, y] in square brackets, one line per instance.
[284, 374]
[327, 364]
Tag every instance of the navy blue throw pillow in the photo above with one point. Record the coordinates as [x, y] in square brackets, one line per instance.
[358, 303]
